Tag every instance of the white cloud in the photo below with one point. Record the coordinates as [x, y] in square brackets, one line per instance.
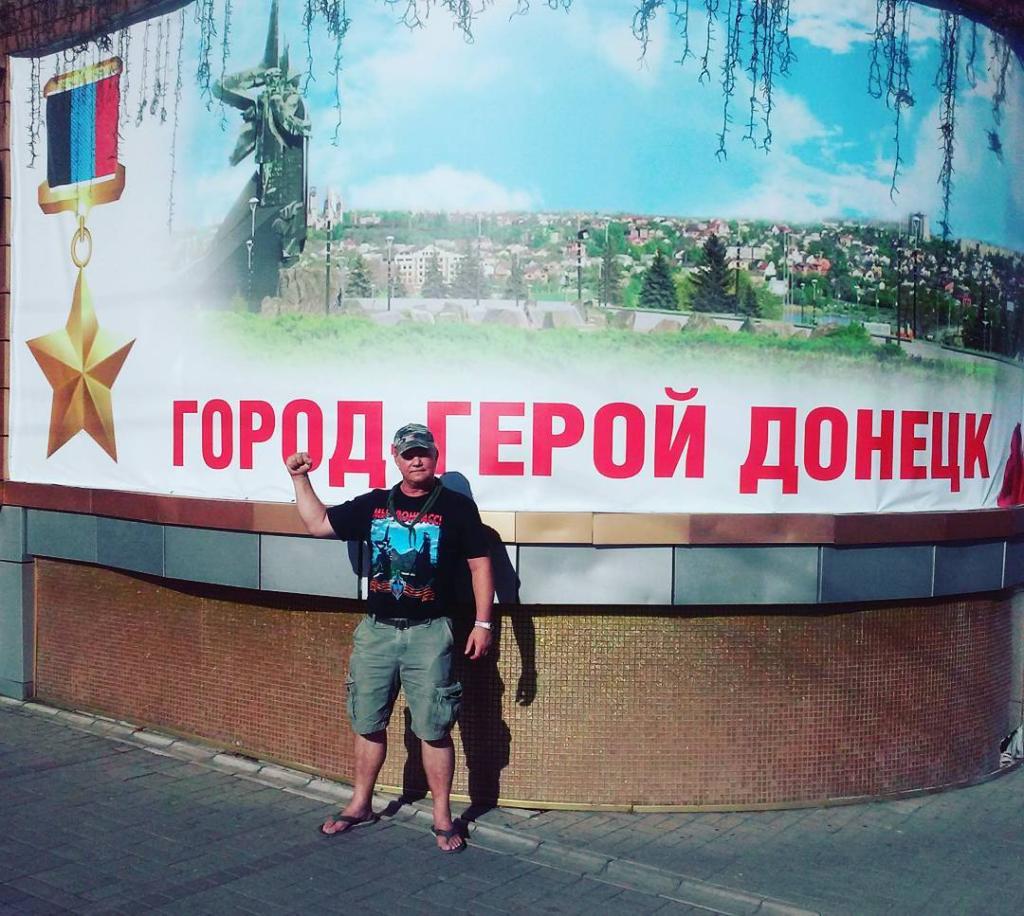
[839, 27]
[414, 67]
[797, 192]
[611, 38]
[837, 37]
[793, 122]
[440, 188]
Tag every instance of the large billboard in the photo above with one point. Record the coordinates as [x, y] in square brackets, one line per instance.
[608, 281]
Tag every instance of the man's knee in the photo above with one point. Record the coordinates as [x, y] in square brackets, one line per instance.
[445, 741]
[375, 737]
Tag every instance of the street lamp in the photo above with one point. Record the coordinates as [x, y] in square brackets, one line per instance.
[898, 249]
[917, 274]
[254, 202]
[327, 285]
[391, 241]
[479, 266]
[581, 237]
[516, 280]
[802, 302]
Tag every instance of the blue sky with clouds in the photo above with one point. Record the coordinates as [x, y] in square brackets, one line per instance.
[555, 111]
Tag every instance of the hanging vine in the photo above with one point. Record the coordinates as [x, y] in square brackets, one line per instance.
[734, 18]
[759, 26]
[681, 17]
[225, 44]
[35, 102]
[711, 9]
[754, 36]
[178, 85]
[140, 114]
[889, 71]
[206, 19]
[972, 57]
[946, 83]
[124, 47]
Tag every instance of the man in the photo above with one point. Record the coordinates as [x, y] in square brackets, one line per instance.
[419, 533]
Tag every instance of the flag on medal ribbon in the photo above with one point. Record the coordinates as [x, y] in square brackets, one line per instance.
[81, 138]
[81, 125]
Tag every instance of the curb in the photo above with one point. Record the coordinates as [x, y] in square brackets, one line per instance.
[626, 873]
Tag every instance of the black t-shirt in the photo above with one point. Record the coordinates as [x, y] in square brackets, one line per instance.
[412, 570]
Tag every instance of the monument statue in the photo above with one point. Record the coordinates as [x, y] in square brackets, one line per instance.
[265, 230]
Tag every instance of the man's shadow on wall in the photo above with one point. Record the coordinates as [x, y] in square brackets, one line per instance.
[486, 737]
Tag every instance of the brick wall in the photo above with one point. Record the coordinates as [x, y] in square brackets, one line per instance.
[43, 26]
[630, 707]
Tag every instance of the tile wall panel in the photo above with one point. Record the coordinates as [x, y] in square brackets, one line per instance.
[589, 706]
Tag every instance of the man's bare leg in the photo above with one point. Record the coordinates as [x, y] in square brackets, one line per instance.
[370, 752]
[439, 766]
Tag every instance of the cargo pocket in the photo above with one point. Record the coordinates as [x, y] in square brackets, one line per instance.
[350, 699]
[447, 703]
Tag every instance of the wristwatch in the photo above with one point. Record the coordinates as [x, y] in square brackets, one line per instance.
[486, 624]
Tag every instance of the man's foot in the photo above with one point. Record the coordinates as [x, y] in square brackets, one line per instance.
[347, 820]
[449, 839]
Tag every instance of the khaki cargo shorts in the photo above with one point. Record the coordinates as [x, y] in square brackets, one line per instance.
[418, 658]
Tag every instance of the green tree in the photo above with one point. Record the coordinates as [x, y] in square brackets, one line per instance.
[469, 282]
[712, 279]
[658, 290]
[609, 288]
[749, 305]
[515, 287]
[358, 283]
[434, 286]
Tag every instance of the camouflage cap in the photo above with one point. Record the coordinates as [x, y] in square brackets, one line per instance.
[414, 435]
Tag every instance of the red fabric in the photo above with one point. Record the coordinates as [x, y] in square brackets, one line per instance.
[108, 99]
[1012, 491]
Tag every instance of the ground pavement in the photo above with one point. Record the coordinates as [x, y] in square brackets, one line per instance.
[100, 816]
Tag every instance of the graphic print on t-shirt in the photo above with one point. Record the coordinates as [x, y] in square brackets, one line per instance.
[403, 560]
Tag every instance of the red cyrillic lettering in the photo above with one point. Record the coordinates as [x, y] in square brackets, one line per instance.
[974, 445]
[178, 411]
[248, 432]
[868, 443]
[314, 430]
[911, 444]
[604, 440]
[546, 440]
[492, 437]
[839, 437]
[950, 470]
[753, 470]
[216, 418]
[372, 463]
[689, 437]
[438, 413]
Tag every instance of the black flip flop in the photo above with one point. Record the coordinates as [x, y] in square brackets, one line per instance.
[352, 822]
[452, 831]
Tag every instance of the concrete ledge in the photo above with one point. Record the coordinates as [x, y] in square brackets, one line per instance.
[15, 690]
[61, 535]
[585, 574]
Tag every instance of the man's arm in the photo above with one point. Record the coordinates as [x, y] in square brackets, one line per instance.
[480, 638]
[311, 510]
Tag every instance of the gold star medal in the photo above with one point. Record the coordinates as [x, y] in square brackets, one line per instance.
[81, 361]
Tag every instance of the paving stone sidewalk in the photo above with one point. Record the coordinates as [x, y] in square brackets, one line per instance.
[959, 851]
[93, 824]
[114, 819]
